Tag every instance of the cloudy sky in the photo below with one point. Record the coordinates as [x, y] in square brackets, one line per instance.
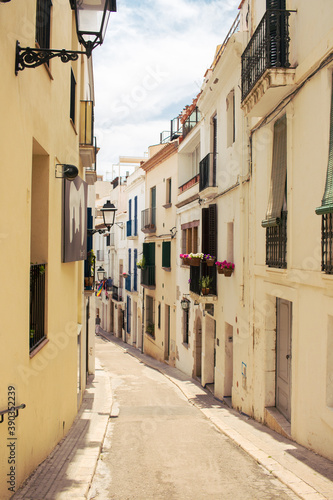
[150, 67]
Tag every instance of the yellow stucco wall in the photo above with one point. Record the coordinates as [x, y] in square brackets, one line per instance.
[35, 134]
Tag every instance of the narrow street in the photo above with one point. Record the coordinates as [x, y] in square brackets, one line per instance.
[159, 446]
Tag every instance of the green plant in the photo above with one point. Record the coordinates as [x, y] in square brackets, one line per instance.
[205, 281]
[150, 328]
[141, 263]
[91, 257]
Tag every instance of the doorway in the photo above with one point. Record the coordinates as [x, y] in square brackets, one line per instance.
[167, 333]
[198, 349]
[228, 361]
[283, 357]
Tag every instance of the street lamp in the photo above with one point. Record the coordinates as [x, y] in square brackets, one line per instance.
[100, 273]
[185, 304]
[91, 18]
[109, 211]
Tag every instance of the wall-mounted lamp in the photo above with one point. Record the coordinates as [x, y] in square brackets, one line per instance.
[66, 171]
[91, 23]
[100, 273]
[185, 304]
[109, 211]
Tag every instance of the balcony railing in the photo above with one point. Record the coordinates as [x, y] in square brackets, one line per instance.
[37, 305]
[207, 170]
[189, 183]
[276, 244]
[148, 276]
[117, 293]
[197, 272]
[87, 123]
[268, 48]
[191, 122]
[148, 220]
[132, 228]
[128, 283]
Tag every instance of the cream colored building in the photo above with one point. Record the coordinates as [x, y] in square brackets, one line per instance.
[158, 277]
[288, 107]
[44, 327]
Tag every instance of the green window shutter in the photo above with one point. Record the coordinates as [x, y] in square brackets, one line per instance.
[145, 252]
[166, 254]
[327, 201]
[278, 175]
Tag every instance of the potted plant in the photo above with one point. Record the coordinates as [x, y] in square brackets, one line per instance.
[150, 328]
[205, 283]
[195, 259]
[141, 263]
[210, 259]
[225, 268]
[91, 258]
[186, 259]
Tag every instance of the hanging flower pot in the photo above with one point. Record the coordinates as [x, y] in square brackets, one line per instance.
[210, 261]
[185, 259]
[227, 272]
[195, 261]
[220, 270]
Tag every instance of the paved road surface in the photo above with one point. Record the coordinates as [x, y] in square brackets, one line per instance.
[160, 447]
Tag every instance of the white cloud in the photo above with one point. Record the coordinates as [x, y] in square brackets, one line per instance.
[152, 64]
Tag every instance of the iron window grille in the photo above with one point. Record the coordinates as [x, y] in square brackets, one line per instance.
[43, 23]
[276, 244]
[207, 170]
[327, 243]
[37, 305]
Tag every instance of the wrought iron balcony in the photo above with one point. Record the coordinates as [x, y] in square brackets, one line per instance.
[117, 293]
[148, 276]
[276, 244]
[267, 49]
[207, 171]
[37, 305]
[148, 220]
[197, 272]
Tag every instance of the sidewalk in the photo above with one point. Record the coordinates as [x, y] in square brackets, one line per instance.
[307, 474]
[67, 473]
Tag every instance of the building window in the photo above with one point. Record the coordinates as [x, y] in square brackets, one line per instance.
[190, 237]
[326, 208]
[276, 215]
[153, 205]
[148, 272]
[231, 118]
[135, 233]
[128, 315]
[185, 326]
[150, 324]
[166, 254]
[72, 101]
[168, 191]
[43, 23]
[195, 160]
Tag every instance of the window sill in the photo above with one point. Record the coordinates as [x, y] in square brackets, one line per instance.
[167, 205]
[73, 125]
[39, 348]
[186, 345]
[167, 269]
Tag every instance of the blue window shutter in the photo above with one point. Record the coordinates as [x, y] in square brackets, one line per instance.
[135, 284]
[129, 209]
[135, 215]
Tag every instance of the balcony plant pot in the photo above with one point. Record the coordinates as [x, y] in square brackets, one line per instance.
[89, 281]
[210, 262]
[186, 261]
[205, 291]
[227, 272]
[195, 261]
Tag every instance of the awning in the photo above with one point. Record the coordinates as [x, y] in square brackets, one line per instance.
[278, 175]
[327, 201]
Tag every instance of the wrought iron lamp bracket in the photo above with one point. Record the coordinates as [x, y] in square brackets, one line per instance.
[32, 58]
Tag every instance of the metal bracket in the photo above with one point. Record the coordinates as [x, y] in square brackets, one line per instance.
[10, 410]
